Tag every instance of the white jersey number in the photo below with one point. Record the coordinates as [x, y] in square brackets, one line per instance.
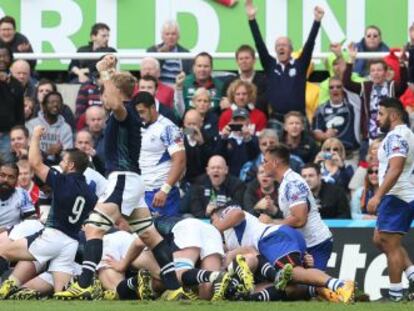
[77, 210]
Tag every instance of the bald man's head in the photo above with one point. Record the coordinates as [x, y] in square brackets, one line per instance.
[84, 141]
[217, 170]
[193, 119]
[20, 70]
[95, 119]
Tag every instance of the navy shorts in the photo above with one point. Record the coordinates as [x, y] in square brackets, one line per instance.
[321, 253]
[281, 243]
[394, 215]
[172, 204]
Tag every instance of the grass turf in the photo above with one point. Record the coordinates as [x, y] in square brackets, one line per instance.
[197, 306]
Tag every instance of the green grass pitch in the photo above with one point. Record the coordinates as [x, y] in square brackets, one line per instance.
[196, 306]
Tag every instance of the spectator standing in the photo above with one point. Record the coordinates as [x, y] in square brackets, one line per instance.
[19, 142]
[95, 117]
[25, 181]
[20, 69]
[286, 84]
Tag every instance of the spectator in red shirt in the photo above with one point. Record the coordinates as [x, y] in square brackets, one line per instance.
[242, 94]
[165, 94]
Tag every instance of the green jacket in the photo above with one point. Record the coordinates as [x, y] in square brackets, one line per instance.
[190, 86]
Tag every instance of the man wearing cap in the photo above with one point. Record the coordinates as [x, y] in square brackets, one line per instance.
[237, 144]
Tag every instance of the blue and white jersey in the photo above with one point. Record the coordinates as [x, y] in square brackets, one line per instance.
[72, 201]
[13, 209]
[398, 143]
[160, 140]
[247, 233]
[294, 190]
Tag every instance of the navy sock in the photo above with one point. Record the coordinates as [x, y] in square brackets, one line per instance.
[266, 269]
[163, 255]
[92, 257]
[195, 276]
[268, 294]
[126, 289]
[4, 265]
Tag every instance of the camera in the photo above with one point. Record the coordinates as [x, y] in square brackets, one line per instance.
[327, 156]
[236, 127]
[189, 131]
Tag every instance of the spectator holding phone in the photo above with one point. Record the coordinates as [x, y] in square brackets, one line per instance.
[237, 144]
[198, 147]
[242, 94]
[332, 162]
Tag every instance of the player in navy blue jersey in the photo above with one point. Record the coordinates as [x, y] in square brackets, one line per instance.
[71, 204]
[125, 191]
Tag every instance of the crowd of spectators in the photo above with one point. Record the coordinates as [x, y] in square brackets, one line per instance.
[226, 122]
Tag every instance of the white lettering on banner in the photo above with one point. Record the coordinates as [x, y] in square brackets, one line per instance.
[374, 279]
[276, 21]
[355, 20]
[208, 23]
[107, 12]
[71, 20]
[352, 260]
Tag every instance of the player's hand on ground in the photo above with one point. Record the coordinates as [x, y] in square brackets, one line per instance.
[159, 199]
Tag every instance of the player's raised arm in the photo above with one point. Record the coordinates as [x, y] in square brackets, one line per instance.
[35, 156]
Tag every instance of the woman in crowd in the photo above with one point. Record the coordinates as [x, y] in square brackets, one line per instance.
[363, 194]
[202, 103]
[242, 94]
[332, 162]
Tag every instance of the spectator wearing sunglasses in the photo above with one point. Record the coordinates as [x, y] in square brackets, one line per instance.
[362, 195]
[337, 118]
[372, 42]
[332, 162]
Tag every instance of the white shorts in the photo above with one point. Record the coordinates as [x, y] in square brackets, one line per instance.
[55, 246]
[126, 190]
[116, 245]
[48, 276]
[25, 228]
[192, 232]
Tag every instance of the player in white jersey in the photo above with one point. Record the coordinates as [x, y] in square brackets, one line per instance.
[162, 159]
[394, 200]
[281, 245]
[299, 210]
[194, 241]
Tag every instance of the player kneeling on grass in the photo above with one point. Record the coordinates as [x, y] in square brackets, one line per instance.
[282, 246]
[71, 204]
[194, 241]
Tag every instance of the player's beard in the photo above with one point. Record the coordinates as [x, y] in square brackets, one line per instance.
[6, 191]
[385, 128]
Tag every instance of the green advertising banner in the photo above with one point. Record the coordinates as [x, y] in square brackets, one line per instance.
[206, 25]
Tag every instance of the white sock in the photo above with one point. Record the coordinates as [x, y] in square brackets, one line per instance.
[396, 290]
[409, 273]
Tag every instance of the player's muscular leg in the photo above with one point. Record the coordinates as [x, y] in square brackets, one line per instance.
[209, 263]
[191, 253]
[391, 246]
[101, 221]
[16, 250]
[60, 280]
[148, 234]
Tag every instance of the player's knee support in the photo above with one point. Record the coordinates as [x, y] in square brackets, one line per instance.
[139, 226]
[99, 220]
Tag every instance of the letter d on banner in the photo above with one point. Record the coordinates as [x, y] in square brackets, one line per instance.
[207, 20]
